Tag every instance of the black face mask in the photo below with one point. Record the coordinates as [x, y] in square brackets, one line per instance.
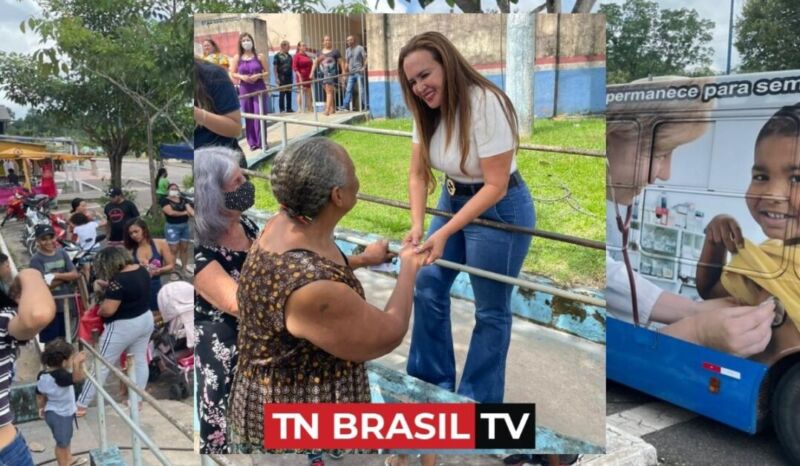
[242, 199]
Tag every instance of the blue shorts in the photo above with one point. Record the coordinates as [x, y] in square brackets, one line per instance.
[61, 427]
[177, 232]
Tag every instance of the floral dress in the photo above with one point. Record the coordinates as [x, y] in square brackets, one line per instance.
[275, 366]
[215, 352]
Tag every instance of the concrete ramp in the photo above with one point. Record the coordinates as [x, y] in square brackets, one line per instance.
[294, 132]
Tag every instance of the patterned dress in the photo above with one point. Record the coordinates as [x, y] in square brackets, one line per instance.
[274, 366]
[215, 351]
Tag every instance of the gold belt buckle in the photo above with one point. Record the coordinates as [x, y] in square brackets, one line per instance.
[451, 187]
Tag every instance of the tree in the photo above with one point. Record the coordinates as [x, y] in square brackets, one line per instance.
[37, 123]
[645, 41]
[767, 35]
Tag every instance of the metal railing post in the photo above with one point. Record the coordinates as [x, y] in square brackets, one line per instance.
[284, 135]
[261, 122]
[101, 402]
[133, 404]
[67, 324]
[314, 100]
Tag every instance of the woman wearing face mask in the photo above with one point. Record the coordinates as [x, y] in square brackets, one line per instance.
[176, 213]
[250, 68]
[224, 237]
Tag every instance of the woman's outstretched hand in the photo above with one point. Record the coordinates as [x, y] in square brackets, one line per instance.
[413, 237]
[377, 253]
[408, 256]
[433, 247]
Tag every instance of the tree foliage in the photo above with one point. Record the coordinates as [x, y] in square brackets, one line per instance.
[767, 35]
[643, 40]
[37, 123]
[474, 6]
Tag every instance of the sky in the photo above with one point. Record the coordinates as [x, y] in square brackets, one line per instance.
[13, 40]
[16, 11]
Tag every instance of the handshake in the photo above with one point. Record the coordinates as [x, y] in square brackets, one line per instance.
[378, 256]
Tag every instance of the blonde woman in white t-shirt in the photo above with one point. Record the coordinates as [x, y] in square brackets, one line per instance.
[450, 101]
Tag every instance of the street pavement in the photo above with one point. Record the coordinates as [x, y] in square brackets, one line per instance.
[685, 439]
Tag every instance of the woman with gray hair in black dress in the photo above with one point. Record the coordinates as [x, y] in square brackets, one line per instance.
[225, 235]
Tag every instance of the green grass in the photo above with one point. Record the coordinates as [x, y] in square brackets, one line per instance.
[382, 166]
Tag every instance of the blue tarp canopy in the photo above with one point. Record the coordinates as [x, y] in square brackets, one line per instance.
[176, 151]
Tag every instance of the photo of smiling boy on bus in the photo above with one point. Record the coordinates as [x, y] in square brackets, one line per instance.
[757, 272]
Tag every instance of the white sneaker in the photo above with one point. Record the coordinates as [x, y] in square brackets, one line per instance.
[189, 269]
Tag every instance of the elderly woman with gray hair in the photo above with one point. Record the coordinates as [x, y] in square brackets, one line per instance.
[225, 235]
[125, 310]
[305, 327]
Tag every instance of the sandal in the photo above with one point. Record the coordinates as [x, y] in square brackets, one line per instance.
[35, 447]
[79, 461]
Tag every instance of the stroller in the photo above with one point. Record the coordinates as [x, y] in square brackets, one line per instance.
[172, 343]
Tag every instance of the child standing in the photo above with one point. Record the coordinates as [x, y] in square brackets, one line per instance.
[773, 199]
[55, 395]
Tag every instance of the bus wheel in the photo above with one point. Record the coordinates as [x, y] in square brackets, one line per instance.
[785, 401]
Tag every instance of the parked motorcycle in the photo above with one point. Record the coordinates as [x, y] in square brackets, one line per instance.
[20, 202]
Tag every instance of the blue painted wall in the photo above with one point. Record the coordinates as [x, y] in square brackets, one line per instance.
[580, 91]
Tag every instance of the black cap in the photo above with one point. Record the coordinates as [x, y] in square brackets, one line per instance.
[43, 230]
[113, 192]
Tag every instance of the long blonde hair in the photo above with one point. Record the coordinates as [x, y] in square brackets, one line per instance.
[459, 76]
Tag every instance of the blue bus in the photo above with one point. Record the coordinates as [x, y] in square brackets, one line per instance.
[703, 262]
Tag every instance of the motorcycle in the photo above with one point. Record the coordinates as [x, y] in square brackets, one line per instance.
[41, 215]
[20, 202]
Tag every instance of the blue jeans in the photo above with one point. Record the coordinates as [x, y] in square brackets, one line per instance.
[348, 93]
[16, 453]
[431, 357]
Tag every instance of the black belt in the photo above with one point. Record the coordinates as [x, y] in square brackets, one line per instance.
[454, 188]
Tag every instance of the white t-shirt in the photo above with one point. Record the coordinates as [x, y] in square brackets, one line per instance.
[491, 135]
[86, 234]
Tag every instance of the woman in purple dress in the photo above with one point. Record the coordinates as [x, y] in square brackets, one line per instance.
[250, 68]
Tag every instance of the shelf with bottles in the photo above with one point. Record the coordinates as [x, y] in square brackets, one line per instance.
[664, 268]
[660, 240]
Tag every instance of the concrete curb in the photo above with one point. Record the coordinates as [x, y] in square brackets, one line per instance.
[623, 449]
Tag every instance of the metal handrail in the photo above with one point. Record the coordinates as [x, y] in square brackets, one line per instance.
[125, 418]
[275, 88]
[475, 271]
[599, 245]
[182, 428]
[408, 134]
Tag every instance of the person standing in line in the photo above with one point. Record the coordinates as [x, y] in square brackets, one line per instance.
[59, 273]
[283, 76]
[177, 211]
[126, 314]
[329, 61]
[55, 395]
[301, 65]
[162, 183]
[154, 254]
[212, 54]
[250, 68]
[354, 62]
[119, 211]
